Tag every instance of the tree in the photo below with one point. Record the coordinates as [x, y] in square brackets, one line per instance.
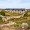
[2, 12]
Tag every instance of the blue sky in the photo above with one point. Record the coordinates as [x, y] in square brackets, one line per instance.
[15, 4]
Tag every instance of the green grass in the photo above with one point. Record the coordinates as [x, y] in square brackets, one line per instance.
[12, 14]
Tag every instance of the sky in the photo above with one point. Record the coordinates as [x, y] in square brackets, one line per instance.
[15, 4]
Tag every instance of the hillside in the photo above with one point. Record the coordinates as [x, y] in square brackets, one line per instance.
[22, 19]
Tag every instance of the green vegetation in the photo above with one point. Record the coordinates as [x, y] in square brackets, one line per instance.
[5, 13]
[2, 13]
[17, 24]
[12, 14]
[18, 21]
[1, 21]
[25, 15]
[25, 19]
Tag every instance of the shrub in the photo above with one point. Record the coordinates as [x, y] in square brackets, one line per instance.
[2, 12]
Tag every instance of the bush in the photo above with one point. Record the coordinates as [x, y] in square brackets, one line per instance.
[1, 21]
[2, 13]
[26, 14]
[17, 24]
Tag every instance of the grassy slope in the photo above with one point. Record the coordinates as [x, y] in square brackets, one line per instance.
[19, 20]
[12, 14]
[26, 19]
